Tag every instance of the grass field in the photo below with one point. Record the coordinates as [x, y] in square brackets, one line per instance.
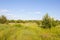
[28, 31]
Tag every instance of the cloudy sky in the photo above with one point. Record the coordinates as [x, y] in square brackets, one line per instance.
[29, 9]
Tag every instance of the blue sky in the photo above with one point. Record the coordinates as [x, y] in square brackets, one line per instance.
[29, 9]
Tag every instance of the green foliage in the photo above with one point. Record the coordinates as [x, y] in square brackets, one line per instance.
[3, 19]
[30, 32]
[11, 21]
[20, 21]
[57, 22]
[48, 22]
[17, 25]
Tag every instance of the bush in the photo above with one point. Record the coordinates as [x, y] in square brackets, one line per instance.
[3, 19]
[48, 22]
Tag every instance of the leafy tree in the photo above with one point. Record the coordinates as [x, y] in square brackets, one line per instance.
[48, 22]
[11, 21]
[57, 22]
[3, 19]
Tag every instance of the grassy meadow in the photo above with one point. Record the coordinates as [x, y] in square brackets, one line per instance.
[28, 31]
[29, 19]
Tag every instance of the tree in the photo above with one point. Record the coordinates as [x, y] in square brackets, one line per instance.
[47, 21]
[3, 19]
[57, 22]
[11, 21]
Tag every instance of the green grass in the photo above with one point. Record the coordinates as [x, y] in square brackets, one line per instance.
[28, 31]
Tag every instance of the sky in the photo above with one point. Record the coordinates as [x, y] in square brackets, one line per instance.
[29, 9]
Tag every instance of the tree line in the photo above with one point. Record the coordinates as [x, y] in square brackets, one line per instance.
[46, 22]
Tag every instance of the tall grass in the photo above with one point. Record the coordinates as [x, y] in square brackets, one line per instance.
[28, 31]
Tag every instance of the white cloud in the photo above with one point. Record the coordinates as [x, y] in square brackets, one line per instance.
[12, 16]
[37, 12]
[4, 11]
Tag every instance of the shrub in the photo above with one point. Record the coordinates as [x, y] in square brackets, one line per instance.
[3, 19]
[48, 22]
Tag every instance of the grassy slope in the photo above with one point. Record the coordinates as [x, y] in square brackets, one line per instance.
[28, 31]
